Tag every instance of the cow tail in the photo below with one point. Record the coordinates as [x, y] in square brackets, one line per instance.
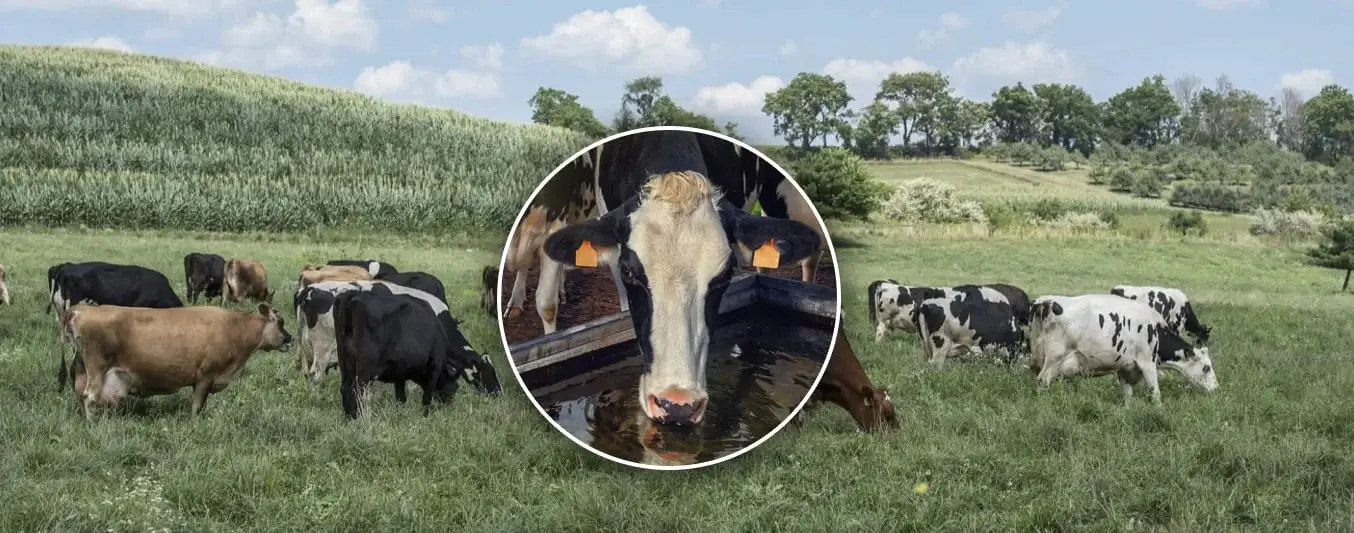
[346, 361]
[874, 300]
[61, 370]
[919, 319]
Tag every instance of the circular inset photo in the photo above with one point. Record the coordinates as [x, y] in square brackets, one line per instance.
[668, 298]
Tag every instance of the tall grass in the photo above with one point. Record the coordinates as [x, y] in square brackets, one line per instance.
[121, 140]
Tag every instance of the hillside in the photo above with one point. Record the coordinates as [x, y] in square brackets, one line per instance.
[126, 140]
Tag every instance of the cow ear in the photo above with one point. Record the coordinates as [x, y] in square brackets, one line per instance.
[265, 311]
[588, 243]
[867, 395]
[792, 240]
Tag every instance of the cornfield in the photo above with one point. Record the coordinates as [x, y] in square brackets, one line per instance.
[108, 139]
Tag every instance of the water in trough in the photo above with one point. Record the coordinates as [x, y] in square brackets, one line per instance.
[763, 360]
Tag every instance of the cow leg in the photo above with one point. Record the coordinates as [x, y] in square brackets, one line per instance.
[519, 294]
[401, 392]
[810, 267]
[943, 348]
[200, 392]
[95, 367]
[880, 330]
[547, 293]
[1150, 375]
[615, 267]
[1125, 385]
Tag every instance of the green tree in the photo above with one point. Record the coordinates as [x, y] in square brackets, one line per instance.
[839, 183]
[971, 121]
[871, 136]
[1068, 117]
[1146, 115]
[1288, 127]
[640, 96]
[554, 107]
[1328, 125]
[812, 106]
[666, 112]
[917, 97]
[1225, 117]
[1015, 114]
[1337, 250]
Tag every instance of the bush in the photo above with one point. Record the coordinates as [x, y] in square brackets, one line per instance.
[1111, 219]
[1121, 178]
[1098, 175]
[999, 215]
[1147, 183]
[1047, 209]
[838, 183]
[1185, 221]
[1212, 196]
[928, 200]
[1077, 220]
[1295, 225]
[1049, 159]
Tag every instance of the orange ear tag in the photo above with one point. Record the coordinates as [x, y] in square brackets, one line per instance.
[767, 256]
[585, 255]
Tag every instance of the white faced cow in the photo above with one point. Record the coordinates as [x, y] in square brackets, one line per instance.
[967, 319]
[676, 240]
[1100, 334]
[1172, 304]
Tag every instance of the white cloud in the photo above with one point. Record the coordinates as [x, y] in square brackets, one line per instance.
[1224, 5]
[862, 76]
[949, 22]
[467, 84]
[1033, 62]
[263, 27]
[1030, 21]
[106, 42]
[394, 79]
[305, 38]
[166, 7]
[487, 57]
[629, 38]
[402, 80]
[428, 10]
[343, 23]
[789, 48]
[736, 98]
[1308, 82]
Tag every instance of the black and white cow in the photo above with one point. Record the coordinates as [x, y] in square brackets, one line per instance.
[676, 241]
[391, 338]
[1172, 304]
[319, 350]
[582, 190]
[968, 319]
[204, 275]
[377, 269]
[891, 304]
[1100, 334]
[422, 281]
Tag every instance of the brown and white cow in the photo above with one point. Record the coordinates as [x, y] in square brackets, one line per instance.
[4, 288]
[246, 278]
[150, 352]
[677, 240]
[312, 274]
[845, 383]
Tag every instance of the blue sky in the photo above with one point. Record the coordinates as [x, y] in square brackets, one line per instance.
[716, 56]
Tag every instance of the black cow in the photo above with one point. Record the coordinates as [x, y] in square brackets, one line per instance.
[422, 281]
[377, 269]
[204, 275]
[391, 338]
[974, 317]
[111, 284]
[676, 244]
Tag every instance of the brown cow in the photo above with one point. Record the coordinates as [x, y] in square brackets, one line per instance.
[246, 278]
[4, 289]
[150, 352]
[489, 289]
[313, 274]
[847, 385]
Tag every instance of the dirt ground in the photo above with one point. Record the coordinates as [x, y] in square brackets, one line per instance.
[591, 295]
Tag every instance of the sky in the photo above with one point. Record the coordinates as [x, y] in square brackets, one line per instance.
[718, 57]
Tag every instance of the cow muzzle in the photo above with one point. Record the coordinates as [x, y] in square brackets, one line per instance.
[676, 406]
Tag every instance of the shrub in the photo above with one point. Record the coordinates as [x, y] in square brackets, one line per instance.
[1147, 183]
[838, 183]
[1288, 225]
[1049, 159]
[1185, 221]
[1121, 178]
[1111, 219]
[1076, 220]
[1213, 196]
[999, 215]
[928, 200]
[1098, 175]
[1047, 209]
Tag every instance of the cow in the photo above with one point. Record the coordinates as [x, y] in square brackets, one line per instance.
[204, 275]
[391, 338]
[377, 269]
[56, 276]
[676, 240]
[1172, 304]
[891, 304]
[845, 384]
[160, 351]
[246, 278]
[1099, 334]
[422, 281]
[4, 288]
[111, 284]
[968, 318]
[489, 289]
[315, 306]
[312, 274]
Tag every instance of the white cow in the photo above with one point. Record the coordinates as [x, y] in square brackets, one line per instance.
[1099, 334]
[1172, 304]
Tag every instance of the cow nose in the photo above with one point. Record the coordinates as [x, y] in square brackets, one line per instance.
[676, 407]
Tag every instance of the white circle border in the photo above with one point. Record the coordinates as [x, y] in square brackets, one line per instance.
[507, 348]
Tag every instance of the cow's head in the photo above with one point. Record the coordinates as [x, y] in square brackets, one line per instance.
[877, 412]
[1195, 364]
[275, 336]
[675, 246]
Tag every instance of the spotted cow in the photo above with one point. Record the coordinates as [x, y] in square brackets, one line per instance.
[1172, 304]
[891, 304]
[968, 319]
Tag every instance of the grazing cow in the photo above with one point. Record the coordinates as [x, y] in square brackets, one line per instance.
[312, 274]
[1172, 304]
[204, 275]
[160, 351]
[111, 284]
[1099, 334]
[422, 281]
[315, 307]
[891, 304]
[56, 276]
[489, 289]
[377, 269]
[676, 241]
[967, 318]
[845, 383]
[391, 338]
[4, 287]
[246, 278]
